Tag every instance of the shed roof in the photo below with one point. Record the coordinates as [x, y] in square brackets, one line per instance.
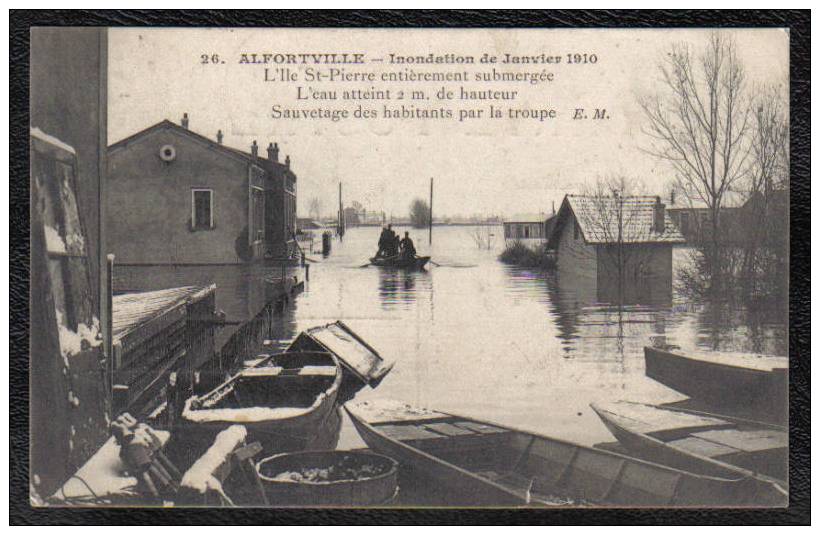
[529, 218]
[598, 220]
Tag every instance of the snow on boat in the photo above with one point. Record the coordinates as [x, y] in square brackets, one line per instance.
[416, 263]
[282, 401]
[360, 361]
[702, 443]
[724, 379]
[480, 463]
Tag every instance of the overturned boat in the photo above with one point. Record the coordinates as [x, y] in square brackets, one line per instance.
[480, 463]
[702, 443]
[283, 401]
[415, 263]
[361, 363]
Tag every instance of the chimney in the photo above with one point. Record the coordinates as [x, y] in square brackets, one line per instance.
[659, 216]
[254, 149]
[273, 152]
[185, 120]
[219, 136]
[287, 161]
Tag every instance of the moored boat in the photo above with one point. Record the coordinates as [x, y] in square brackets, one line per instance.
[283, 401]
[699, 442]
[415, 263]
[361, 363]
[724, 379]
[481, 463]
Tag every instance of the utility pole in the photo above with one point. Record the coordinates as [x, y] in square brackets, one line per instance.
[341, 228]
[430, 234]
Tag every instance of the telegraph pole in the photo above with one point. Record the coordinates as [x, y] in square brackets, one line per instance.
[341, 214]
[430, 233]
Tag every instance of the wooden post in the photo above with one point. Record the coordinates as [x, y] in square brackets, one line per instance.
[430, 233]
[108, 339]
[341, 214]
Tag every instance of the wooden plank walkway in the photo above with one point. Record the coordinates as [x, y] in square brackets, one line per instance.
[131, 310]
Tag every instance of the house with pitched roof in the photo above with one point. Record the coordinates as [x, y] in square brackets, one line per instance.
[176, 197]
[601, 241]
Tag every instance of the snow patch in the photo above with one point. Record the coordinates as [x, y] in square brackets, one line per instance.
[76, 241]
[245, 414]
[71, 342]
[37, 133]
[54, 242]
[200, 476]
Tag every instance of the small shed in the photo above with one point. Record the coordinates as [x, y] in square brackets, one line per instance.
[601, 241]
[528, 227]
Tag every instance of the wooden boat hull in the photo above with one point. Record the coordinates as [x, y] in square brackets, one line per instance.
[361, 363]
[719, 383]
[771, 490]
[507, 467]
[468, 489]
[293, 428]
[415, 264]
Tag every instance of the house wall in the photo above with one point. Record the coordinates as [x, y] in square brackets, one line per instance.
[148, 217]
[522, 230]
[577, 259]
[281, 211]
[647, 275]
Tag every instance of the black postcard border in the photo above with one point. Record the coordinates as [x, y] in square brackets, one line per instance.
[797, 21]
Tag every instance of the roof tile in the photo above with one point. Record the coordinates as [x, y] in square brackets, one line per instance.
[598, 220]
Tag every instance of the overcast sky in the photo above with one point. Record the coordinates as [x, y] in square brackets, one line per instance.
[486, 167]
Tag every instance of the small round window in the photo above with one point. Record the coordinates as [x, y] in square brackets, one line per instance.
[167, 153]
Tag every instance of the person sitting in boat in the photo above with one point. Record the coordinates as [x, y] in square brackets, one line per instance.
[408, 249]
[396, 246]
[385, 241]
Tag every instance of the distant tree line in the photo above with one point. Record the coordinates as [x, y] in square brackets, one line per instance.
[419, 214]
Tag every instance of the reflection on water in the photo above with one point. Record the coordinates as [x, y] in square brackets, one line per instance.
[398, 287]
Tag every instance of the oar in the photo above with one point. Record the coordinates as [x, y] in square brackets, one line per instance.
[365, 265]
[434, 263]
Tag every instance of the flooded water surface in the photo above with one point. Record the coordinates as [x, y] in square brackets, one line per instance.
[477, 337]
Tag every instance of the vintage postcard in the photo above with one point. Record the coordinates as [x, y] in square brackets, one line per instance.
[336, 267]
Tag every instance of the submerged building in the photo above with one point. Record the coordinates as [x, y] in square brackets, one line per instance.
[179, 198]
[612, 244]
[528, 228]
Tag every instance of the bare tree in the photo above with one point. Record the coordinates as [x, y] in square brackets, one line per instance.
[483, 237]
[698, 123]
[315, 208]
[419, 213]
[769, 142]
[612, 210]
[766, 222]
